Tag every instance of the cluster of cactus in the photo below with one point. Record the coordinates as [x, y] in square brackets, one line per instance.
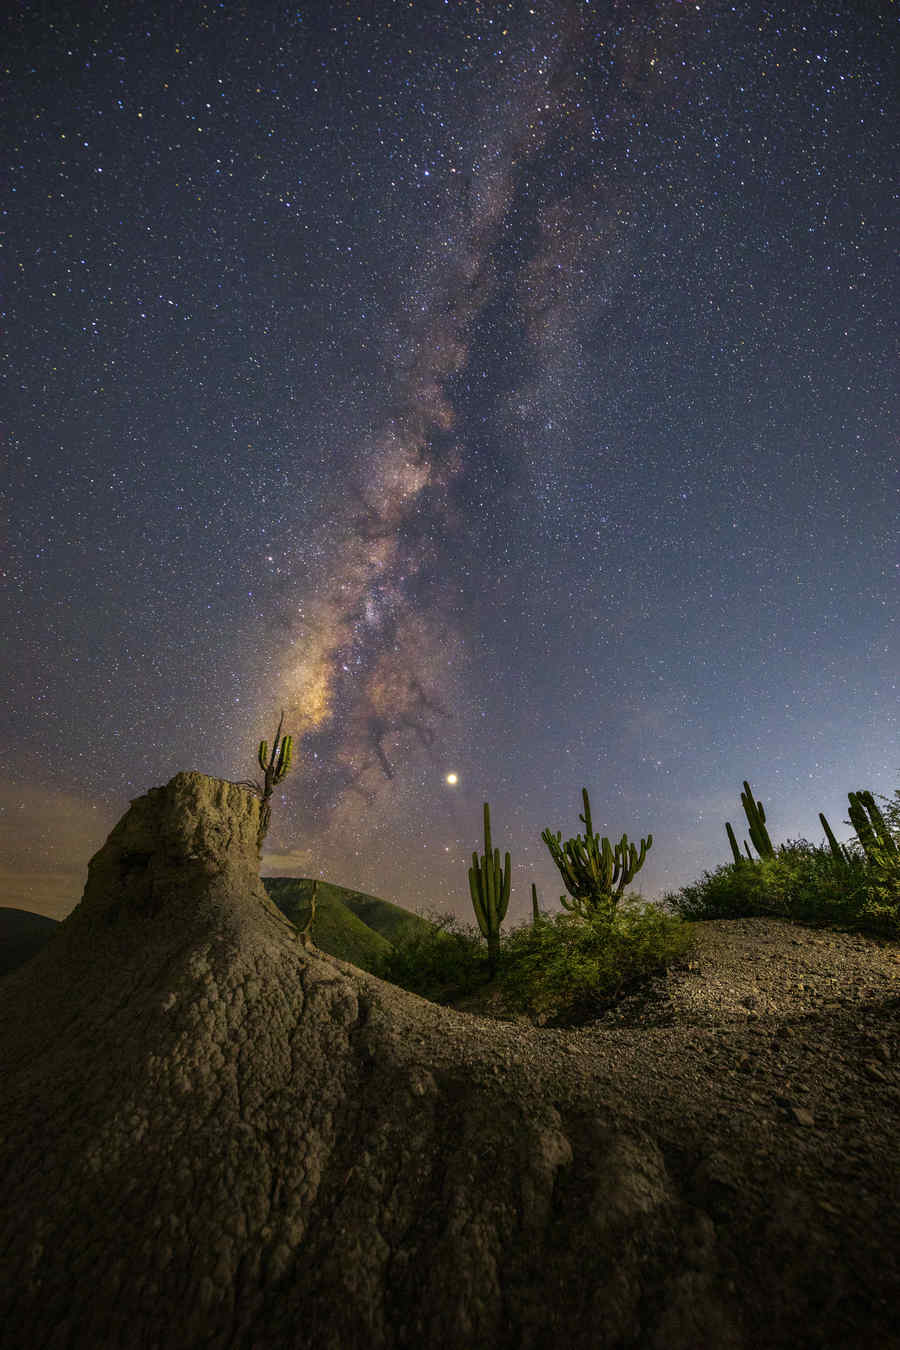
[594, 871]
[759, 835]
[489, 885]
[878, 844]
[275, 765]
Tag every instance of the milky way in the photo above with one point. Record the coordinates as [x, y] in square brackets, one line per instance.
[538, 206]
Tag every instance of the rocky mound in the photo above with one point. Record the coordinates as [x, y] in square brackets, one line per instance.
[210, 1136]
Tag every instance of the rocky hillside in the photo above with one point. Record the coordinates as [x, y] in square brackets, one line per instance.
[211, 1136]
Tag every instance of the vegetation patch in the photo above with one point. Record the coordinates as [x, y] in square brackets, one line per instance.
[563, 970]
[802, 882]
[568, 969]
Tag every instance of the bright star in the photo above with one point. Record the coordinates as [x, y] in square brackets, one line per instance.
[452, 779]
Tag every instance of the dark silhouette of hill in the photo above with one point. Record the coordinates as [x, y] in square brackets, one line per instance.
[22, 935]
[213, 1136]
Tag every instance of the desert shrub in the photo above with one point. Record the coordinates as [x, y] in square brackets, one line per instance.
[566, 969]
[442, 963]
[804, 883]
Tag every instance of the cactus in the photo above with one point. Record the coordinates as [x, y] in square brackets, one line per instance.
[489, 886]
[878, 844]
[756, 819]
[738, 859]
[842, 855]
[535, 911]
[275, 766]
[306, 930]
[594, 872]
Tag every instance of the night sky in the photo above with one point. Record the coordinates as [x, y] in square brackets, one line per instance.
[502, 390]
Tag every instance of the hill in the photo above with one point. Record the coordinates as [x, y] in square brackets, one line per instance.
[350, 925]
[22, 935]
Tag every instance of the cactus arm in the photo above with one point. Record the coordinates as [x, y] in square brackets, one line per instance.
[871, 828]
[886, 841]
[285, 753]
[861, 823]
[738, 859]
[756, 819]
[840, 853]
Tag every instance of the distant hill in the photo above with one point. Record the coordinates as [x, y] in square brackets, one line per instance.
[351, 925]
[22, 935]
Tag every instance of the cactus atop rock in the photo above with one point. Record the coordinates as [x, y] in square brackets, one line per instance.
[275, 765]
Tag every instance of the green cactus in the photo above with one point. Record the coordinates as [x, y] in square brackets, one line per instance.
[842, 855]
[489, 886]
[275, 766]
[756, 819]
[878, 844]
[594, 872]
[738, 858]
[535, 910]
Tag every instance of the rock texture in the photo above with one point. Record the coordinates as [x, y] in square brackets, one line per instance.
[212, 1137]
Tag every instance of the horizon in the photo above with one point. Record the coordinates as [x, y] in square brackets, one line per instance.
[49, 893]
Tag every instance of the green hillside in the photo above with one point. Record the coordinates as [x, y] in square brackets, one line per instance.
[349, 924]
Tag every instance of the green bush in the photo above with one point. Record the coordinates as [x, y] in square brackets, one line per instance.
[442, 963]
[804, 883]
[567, 969]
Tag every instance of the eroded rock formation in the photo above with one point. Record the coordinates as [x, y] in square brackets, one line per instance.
[210, 1136]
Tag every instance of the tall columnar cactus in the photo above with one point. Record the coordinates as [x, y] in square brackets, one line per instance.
[535, 908]
[275, 765]
[842, 855]
[878, 844]
[594, 872]
[738, 856]
[489, 886]
[756, 819]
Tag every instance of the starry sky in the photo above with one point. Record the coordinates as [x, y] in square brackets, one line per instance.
[504, 390]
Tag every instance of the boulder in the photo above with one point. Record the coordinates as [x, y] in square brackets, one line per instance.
[211, 1136]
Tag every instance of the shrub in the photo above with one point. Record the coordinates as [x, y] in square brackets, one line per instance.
[802, 882]
[442, 963]
[568, 968]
